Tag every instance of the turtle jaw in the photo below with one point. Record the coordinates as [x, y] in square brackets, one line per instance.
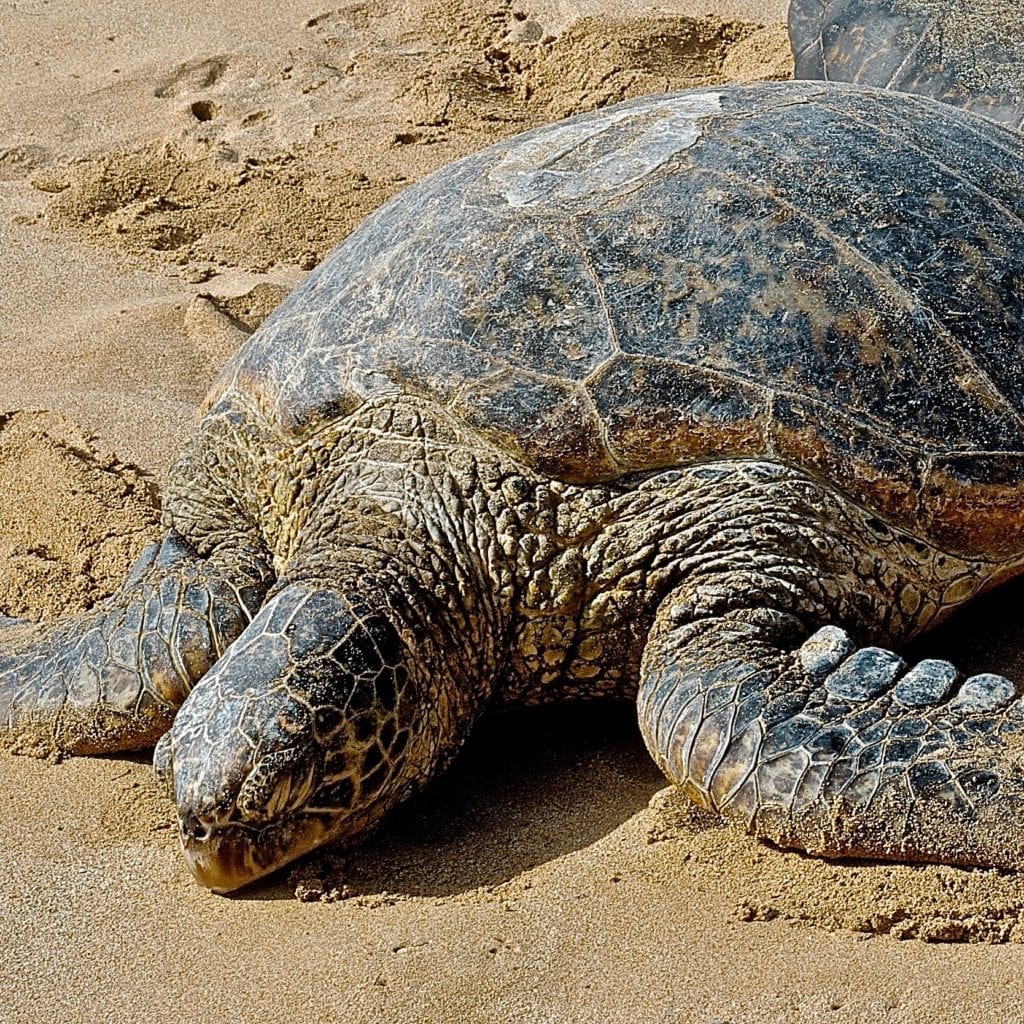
[232, 855]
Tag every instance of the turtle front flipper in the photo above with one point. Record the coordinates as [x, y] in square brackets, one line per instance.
[760, 712]
[112, 678]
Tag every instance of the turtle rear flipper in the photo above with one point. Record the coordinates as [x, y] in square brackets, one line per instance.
[967, 54]
[812, 742]
[112, 678]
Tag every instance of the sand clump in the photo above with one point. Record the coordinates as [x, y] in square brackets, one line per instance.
[906, 901]
[72, 518]
[251, 170]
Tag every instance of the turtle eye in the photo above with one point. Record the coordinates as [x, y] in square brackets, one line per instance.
[326, 722]
[281, 781]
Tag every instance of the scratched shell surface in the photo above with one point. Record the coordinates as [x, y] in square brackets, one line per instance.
[832, 277]
[966, 52]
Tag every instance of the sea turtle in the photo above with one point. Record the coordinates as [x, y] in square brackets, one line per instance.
[697, 399]
[966, 52]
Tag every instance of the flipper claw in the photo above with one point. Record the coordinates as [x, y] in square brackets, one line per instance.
[928, 682]
[984, 693]
[865, 674]
[825, 650]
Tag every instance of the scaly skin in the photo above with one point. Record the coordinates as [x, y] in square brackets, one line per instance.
[371, 658]
[421, 576]
[805, 739]
[314, 726]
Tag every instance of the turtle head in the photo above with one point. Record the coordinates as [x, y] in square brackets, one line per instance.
[294, 739]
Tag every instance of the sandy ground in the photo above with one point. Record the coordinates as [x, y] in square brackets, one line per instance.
[167, 173]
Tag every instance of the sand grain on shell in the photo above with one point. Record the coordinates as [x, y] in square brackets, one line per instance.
[165, 177]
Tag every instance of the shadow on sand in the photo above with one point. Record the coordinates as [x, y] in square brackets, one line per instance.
[529, 787]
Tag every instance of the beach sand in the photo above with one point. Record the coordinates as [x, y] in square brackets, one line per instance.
[167, 173]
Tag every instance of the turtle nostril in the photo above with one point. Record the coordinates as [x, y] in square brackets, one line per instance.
[194, 828]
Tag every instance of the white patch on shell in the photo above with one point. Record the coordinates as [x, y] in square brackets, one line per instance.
[569, 162]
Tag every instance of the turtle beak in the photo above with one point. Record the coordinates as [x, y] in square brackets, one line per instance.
[248, 817]
[225, 858]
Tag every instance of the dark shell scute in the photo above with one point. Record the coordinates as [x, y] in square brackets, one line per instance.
[786, 269]
[569, 440]
[679, 411]
[896, 265]
[539, 305]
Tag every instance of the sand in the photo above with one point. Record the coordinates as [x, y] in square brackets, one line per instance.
[167, 173]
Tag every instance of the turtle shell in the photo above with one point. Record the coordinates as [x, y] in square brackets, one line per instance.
[828, 276]
[966, 52]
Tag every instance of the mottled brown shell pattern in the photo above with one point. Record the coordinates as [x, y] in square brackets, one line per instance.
[829, 277]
